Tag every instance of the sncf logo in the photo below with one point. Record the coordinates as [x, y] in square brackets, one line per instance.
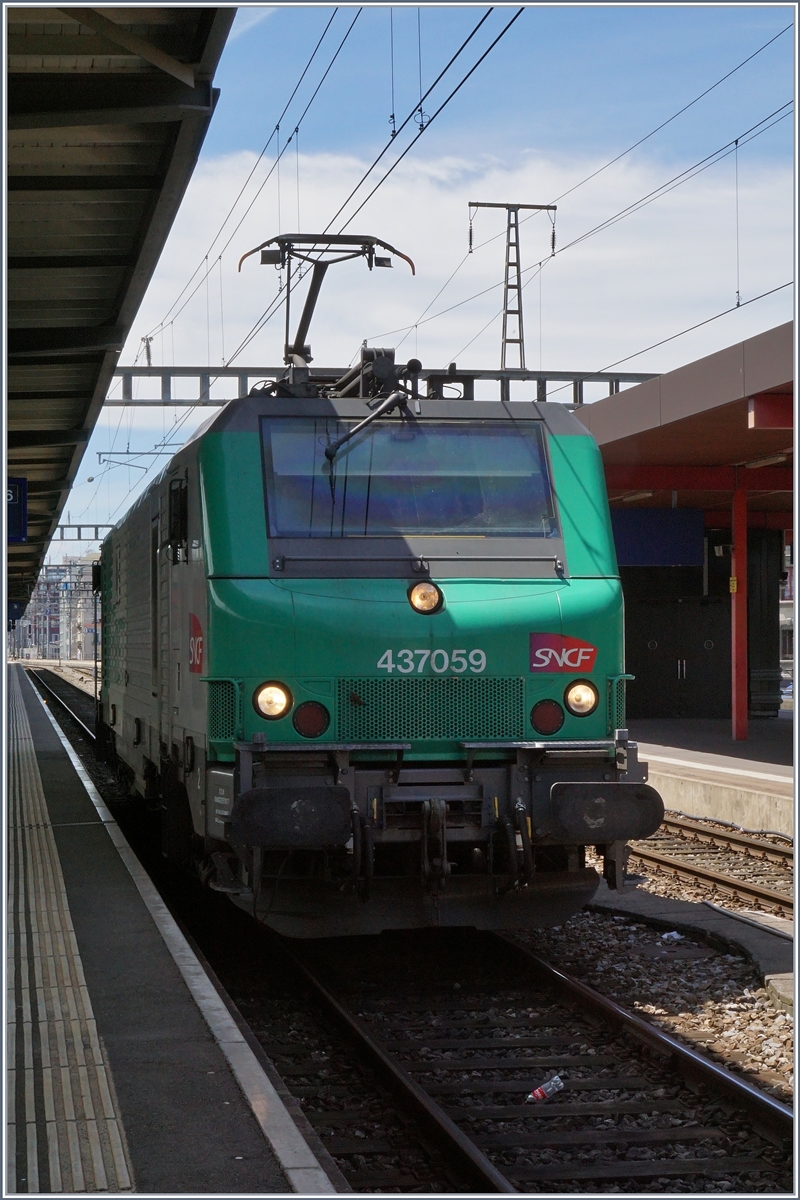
[195, 645]
[552, 652]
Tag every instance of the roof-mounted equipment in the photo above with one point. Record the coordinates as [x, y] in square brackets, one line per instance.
[321, 250]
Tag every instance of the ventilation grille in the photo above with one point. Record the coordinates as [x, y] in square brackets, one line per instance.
[223, 710]
[616, 702]
[390, 710]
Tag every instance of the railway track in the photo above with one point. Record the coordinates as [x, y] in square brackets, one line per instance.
[758, 847]
[411, 1065]
[77, 698]
[734, 864]
[463, 1025]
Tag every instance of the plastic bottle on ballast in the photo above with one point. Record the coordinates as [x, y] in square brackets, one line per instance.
[545, 1091]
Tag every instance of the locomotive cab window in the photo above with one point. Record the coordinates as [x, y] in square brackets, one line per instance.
[179, 519]
[401, 478]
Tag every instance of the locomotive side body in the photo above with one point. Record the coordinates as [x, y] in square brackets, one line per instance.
[153, 708]
[427, 767]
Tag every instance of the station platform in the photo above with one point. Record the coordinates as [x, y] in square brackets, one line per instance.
[700, 771]
[125, 1069]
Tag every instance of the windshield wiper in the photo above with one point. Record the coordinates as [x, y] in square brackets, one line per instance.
[396, 400]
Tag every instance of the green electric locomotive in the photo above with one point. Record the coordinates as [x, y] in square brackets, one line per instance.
[363, 647]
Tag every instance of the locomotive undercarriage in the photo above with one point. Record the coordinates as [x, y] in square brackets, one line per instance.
[322, 843]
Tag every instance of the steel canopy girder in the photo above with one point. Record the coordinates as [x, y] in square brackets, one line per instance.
[145, 114]
[18, 439]
[69, 262]
[28, 343]
[698, 479]
[161, 120]
[83, 183]
[206, 375]
[112, 32]
[322, 372]
[79, 101]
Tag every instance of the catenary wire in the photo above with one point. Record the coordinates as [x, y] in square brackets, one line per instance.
[394, 133]
[716, 157]
[622, 154]
[690, 329]
[254, 168]
[266, 316]
[272, 308]
[697, 168]
[276, 164]
[433, 117]
[662, 190]
[409, 118]
[674, 116]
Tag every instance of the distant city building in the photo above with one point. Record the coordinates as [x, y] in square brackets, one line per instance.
[59, 620]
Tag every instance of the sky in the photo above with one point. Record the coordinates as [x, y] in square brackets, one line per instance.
[566, 90]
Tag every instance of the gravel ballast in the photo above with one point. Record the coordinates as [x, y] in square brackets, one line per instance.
[710, 999]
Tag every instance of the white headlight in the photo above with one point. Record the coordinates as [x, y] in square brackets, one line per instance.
[581, 698]
[425, 597]
[272, 700]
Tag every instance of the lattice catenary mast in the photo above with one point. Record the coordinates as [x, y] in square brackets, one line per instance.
[512, 290]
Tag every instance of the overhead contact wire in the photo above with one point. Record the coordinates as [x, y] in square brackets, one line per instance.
[409, 118]
[621, 155]
[674, 117]
[433, 117]
[252, 172]
[662, 190]
[272, 308]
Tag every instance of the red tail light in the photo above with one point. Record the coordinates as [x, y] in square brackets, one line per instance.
[547, 716]
[311, 719]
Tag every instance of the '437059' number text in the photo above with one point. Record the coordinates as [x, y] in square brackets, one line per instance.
[438, 661]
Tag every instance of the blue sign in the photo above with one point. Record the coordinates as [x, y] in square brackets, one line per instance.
[658, 537]
[17, 510]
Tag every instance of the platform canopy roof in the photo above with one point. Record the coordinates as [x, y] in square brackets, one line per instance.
[690, 436]
[107, 111]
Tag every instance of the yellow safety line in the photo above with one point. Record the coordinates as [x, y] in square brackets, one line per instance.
[80, 1133]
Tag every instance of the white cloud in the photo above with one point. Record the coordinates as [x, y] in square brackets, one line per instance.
[247, 17]
[644, 279]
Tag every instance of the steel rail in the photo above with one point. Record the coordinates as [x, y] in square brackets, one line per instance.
[760, 1106]
[723, 837]
[725, 883]
[482, 1175]
[87, 732]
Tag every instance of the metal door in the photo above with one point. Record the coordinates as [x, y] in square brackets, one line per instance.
[680, 654]
[652, 655]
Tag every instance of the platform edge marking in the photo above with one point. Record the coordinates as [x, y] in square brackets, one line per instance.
[717, 768]
[303, 1171]
[47, 947]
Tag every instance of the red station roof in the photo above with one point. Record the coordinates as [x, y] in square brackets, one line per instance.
[703, 429]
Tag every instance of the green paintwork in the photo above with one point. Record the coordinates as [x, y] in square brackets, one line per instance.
[234, 521]
[309, 633]
[580, 486]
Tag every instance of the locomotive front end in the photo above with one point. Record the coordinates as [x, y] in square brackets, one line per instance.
[415, 664]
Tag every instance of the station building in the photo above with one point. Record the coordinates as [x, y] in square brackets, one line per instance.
[698, 465]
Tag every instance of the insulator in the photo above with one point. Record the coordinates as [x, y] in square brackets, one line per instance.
[553, 241]
[470, 237]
